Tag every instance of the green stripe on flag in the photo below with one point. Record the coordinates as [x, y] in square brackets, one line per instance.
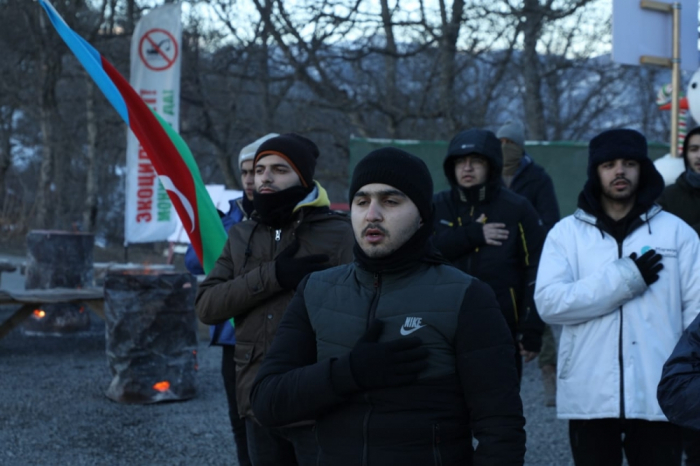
[210, 227]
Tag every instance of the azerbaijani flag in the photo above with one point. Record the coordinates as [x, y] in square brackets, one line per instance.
[166, 150]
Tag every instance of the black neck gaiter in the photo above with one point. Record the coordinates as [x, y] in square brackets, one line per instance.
[417, 249]
[693, 178]
[277, 209]
[247, 205]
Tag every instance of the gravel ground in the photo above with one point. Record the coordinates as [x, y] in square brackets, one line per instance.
[53, 410]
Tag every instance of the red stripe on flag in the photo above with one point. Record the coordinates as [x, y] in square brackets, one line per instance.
[163, 154]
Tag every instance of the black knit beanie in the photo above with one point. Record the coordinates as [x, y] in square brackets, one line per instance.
[397, 168]
[621, 144]
[301, 153]
[615, 144]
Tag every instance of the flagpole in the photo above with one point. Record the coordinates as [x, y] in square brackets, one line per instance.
[675, 78]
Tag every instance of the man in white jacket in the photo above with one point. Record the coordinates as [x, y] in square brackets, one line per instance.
[623, 278]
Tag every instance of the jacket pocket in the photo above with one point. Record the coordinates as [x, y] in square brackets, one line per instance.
[437, 457]
[566, 355]
[244, 354]
[247, 358]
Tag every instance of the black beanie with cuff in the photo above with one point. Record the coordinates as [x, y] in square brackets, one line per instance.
[301, 153]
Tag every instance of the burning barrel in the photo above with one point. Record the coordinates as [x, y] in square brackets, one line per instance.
[151, 335]
[58, 259]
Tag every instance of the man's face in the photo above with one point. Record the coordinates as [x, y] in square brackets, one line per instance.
[248, 179]
[273, 174]
[471, 170]
[619, 179]
[693, 155]
[383, 219]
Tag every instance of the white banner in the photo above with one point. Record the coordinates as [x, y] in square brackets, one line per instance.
[220, 196]
[155, 75]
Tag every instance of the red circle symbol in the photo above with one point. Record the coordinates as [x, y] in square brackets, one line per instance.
[158, 49]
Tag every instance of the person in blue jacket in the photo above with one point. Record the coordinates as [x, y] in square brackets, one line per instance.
[224, 334]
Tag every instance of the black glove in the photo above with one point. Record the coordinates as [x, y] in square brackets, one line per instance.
[291, 270]
[649, 265]
[387, 364]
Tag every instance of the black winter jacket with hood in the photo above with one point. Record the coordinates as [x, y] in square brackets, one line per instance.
[682, 199]
[510, 269]
[533, 183]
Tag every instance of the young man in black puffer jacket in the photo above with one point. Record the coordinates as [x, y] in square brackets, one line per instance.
[491, 233]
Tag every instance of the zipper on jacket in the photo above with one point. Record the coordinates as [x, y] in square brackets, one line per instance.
[278, 235]
[370, 317]
[375, 299]
[476, 250]
[620, 359]
[515, 305]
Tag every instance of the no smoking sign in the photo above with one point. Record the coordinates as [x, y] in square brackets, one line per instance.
[158, 49]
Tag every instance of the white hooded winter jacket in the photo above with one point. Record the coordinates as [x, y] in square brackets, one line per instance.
[617, 332]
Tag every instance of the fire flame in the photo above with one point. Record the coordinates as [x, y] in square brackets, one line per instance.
[162, 386]
[39, 314]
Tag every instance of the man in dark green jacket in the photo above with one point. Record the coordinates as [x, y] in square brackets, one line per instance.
[682, 199]
[398, 357]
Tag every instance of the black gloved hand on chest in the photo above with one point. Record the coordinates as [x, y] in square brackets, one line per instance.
[386, 364]
[649, 265]
[291, 270]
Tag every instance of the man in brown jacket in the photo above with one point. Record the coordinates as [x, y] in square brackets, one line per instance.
[292, 233]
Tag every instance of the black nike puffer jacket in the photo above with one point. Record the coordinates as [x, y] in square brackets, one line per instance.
[470, 386]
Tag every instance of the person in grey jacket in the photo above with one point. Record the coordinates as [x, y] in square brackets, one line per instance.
[398, 357]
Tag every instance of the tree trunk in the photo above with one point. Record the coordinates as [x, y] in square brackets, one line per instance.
[41, 219]
[223, 159]
[90, 208]
[6, 126]
[389, 68]
[534, 107]
[448, 52]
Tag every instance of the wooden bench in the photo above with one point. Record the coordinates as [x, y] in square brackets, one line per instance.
[33, 299]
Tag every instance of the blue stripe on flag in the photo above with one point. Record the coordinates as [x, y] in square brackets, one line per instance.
[89, 58]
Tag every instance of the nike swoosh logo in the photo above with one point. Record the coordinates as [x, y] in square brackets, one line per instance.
[405, 332]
